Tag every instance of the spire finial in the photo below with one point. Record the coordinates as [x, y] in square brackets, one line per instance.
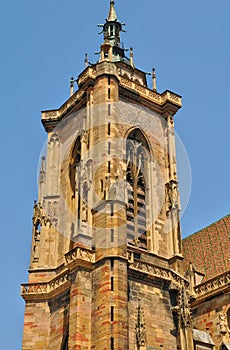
[86, 60]
[154, 79]
[72, 81]
[131, 57]
[112, 16]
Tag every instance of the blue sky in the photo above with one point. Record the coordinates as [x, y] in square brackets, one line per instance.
[43, 44]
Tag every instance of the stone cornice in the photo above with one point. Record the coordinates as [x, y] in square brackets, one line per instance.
[85, 258]
[56, 114]
[212, 287]
[167, 101]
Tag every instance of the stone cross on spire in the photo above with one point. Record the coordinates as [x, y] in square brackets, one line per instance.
[112, 16]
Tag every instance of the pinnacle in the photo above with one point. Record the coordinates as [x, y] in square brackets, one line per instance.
[112, 16]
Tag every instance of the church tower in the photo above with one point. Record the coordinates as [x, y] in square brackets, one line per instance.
[106, 263]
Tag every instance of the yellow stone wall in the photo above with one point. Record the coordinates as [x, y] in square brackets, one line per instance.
[154, 299]
[95, 306]
[207, 316]
[36, 326]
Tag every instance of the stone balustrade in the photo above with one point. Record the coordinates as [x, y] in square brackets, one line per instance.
[90, 72]
[155, 271]
[213, 285]
[151, 95]
[45, 290]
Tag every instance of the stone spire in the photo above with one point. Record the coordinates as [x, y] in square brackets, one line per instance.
[112, 16]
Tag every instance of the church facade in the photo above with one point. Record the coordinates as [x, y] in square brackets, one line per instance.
[108, 269]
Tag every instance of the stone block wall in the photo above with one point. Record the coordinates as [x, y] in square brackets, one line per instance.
[110, 313]
[36, 326]
[211, 315]
[80, 311]
[155, 308]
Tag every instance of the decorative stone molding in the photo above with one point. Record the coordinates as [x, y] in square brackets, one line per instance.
[159, 99]
[47, 290]
[84, 257]
[140, 328]
[184, 309]
[155, 271]
[52, 114]
[52, 212]
[89, 73]
[80, 254]
[57, 113]
[213, 286]
[54, 139]
[222, 322]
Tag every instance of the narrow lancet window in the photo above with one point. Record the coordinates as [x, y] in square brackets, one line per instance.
[74, 164]
[137, 154]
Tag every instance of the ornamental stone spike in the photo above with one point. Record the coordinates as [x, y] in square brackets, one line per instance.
[112, 16]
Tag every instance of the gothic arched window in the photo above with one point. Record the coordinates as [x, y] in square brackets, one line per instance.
[75, 161]
[137, 155]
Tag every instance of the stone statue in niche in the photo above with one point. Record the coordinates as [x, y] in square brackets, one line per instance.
[52, 212]
[39, 219]
[116, 189]
[172, 195]
[85, 138]
[36, 235]
[140, 162]
[84, 212]
[84, 216]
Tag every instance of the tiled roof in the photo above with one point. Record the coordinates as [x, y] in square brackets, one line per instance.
[227, 345]
[209, 249]
[202, 337]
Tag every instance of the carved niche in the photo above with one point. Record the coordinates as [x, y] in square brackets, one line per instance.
[39, 220]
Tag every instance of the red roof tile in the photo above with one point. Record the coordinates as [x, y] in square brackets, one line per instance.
[209, 249]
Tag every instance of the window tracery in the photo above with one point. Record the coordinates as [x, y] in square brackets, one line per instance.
[54, 139]
[137, 154]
